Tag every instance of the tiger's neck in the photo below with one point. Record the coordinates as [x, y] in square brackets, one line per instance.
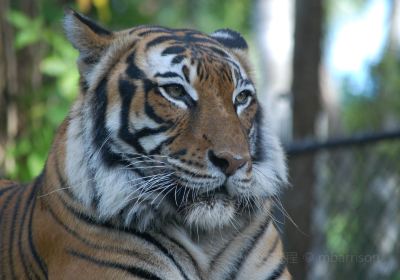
[59, 208]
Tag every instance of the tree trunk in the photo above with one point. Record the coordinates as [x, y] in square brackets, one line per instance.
[8, 85]
[273, 25]
[299, 201]
[394, 26]
[19, 77]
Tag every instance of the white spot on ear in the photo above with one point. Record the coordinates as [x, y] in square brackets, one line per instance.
[230, 39]
[223, 34]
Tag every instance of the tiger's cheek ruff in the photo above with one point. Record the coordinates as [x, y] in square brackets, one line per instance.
[108, 184]
[269, 166]
[104, 137]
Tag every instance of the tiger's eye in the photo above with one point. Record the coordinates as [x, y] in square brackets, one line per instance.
[175, 91]
[242, 97]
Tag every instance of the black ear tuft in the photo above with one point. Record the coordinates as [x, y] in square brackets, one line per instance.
[230, 39]
[90, 23]
[84, 34]
[90, 39]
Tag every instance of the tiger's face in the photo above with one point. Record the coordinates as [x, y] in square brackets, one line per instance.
[170, 127]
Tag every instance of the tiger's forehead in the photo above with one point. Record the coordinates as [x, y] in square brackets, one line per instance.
[163, 50]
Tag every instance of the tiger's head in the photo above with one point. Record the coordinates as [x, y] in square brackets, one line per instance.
[167, 127]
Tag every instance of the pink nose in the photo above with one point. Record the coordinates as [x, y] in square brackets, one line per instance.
[227, 162]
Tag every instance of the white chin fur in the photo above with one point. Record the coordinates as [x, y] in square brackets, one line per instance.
[208, 216]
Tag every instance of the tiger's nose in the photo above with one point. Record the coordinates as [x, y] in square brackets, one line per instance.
[226, 162]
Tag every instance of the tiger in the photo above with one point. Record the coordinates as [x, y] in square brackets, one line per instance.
[164, 168]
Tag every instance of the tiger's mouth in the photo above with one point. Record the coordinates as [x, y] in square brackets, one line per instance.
[185, 196]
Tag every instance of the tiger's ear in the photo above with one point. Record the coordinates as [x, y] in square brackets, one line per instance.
[233, 41]
[89, 38]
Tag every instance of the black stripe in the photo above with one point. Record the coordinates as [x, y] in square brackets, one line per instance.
[12, 230]
[3, 208]
[237, 74]
[91, 244]
[21, 252]
[84, 86]
[245, 82]
[178, 59]
[221, 251]
[199, 71]
[100, 132]
[32, 198]
[168, 75]
[92, 25]
[159, 40]
[234, 44]
[145, 236]
[126, 91]
[180, 246]
[155, 242]
[259, 155]
[133, 270]
[278, 271]
[219, 51]
[178, 153]
[185, 71]
[133, 138]
[149, 109]
[272, 249]
[247, 250]
[6, 189]
[173, 50]
[154, 29]
[91, 59]
[196, 39]
[98, 111]
[147, 131]
[233, 40]
[133, 71]
[112, 159]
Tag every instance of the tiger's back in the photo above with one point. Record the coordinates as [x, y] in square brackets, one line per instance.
[19, 258]
[159, 170]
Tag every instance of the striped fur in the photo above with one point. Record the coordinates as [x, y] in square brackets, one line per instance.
[161, 170]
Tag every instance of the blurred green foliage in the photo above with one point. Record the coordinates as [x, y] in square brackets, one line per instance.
[46, 107]
[374, 108]
[358, 196]
[379, 105]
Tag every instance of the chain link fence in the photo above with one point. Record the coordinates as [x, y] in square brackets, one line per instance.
[356, 217]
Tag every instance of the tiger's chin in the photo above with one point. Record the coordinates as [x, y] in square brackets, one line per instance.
[208, 210]
[210, 213]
